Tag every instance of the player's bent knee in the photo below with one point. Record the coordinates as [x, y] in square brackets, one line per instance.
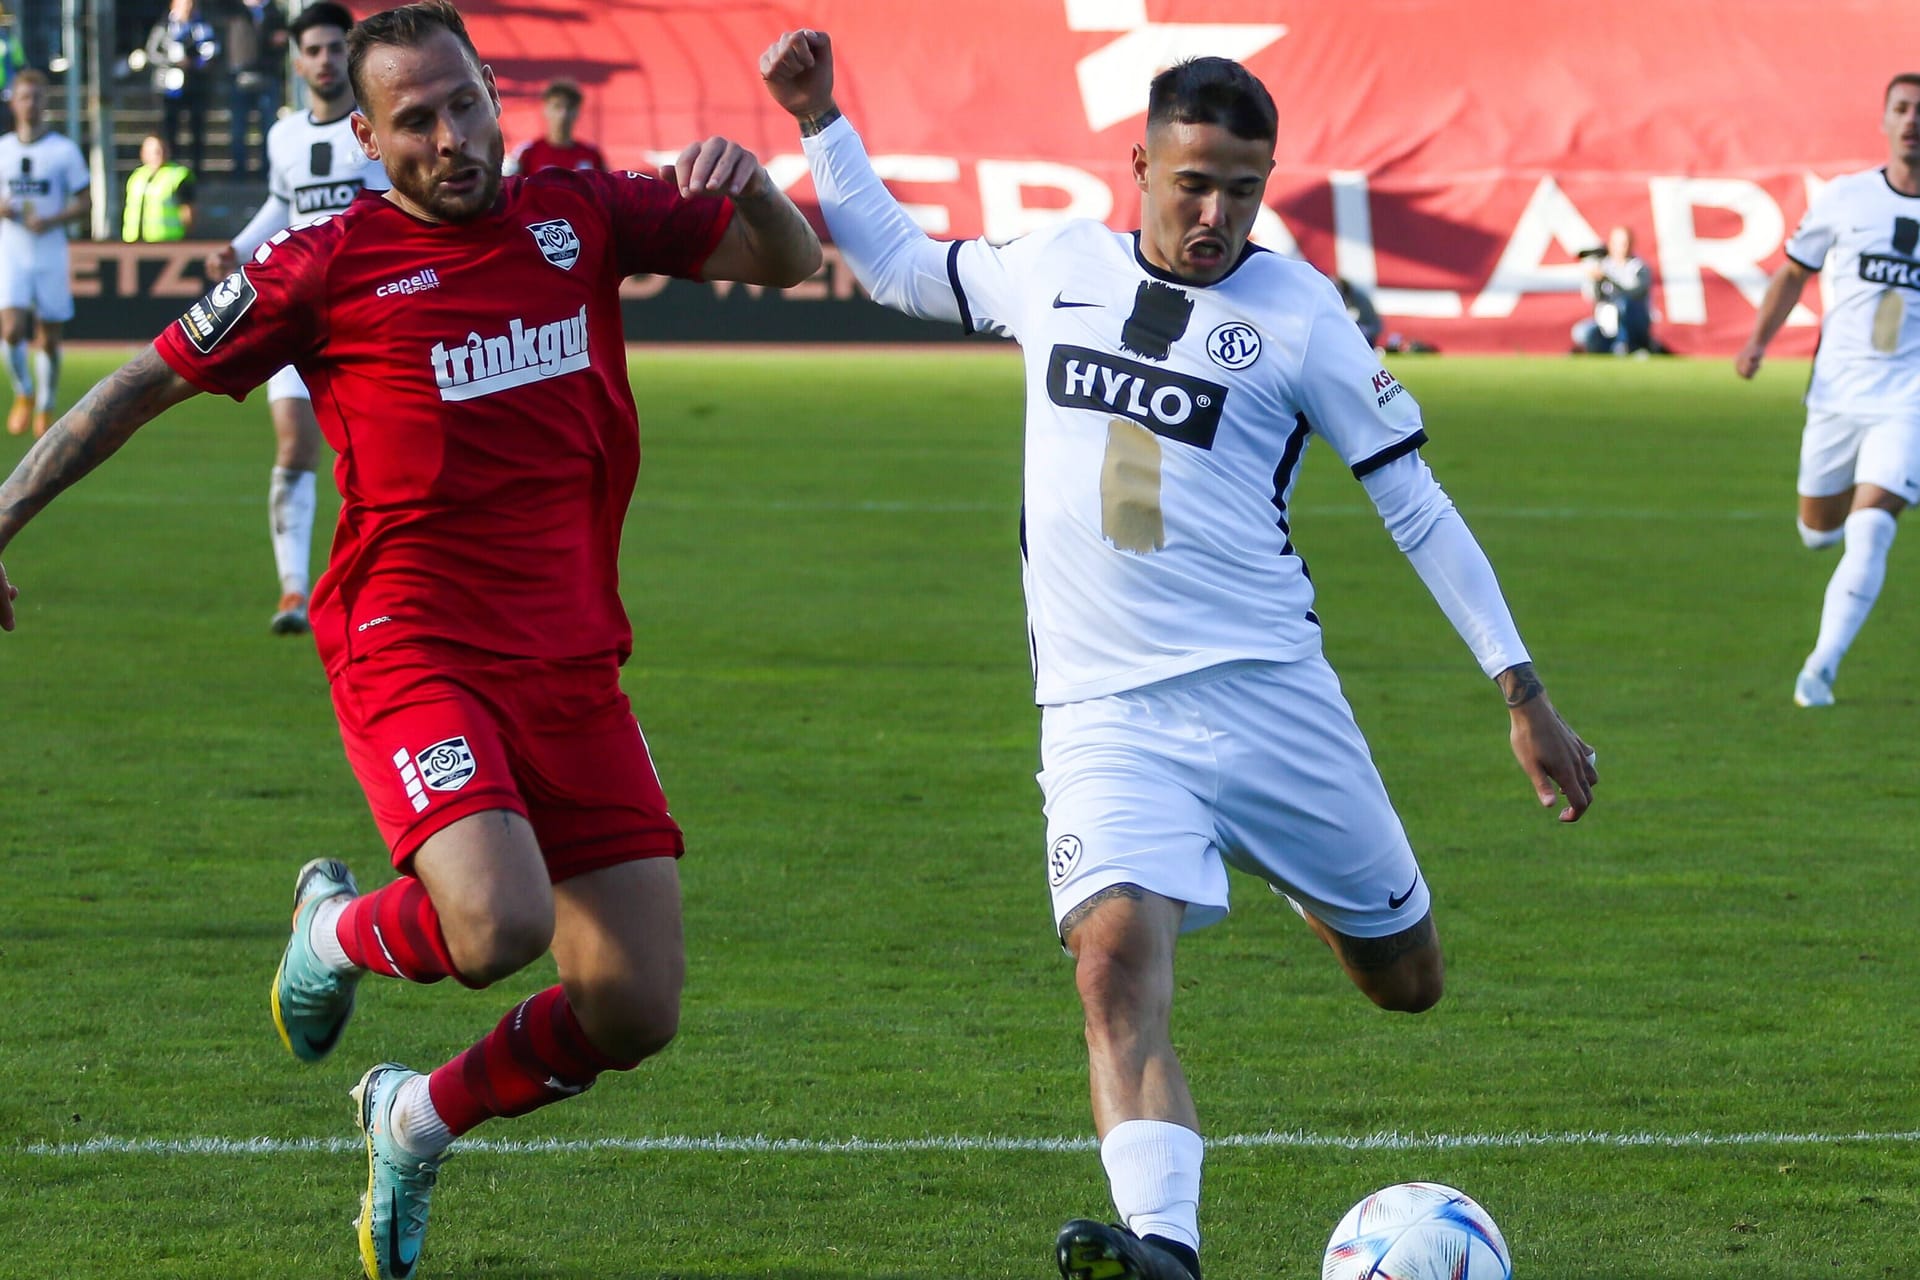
[1816, 539]
[636, 1032]
[1414, 991]
[498, 947]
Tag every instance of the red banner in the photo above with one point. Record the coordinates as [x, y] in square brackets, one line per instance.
[1452, 158]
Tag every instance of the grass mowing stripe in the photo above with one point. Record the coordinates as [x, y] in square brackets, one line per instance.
[1292, 1138]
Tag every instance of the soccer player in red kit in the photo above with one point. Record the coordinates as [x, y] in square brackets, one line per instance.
[557, 148]
[461, 335]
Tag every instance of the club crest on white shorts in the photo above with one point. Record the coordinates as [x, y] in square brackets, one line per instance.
[1062, 858]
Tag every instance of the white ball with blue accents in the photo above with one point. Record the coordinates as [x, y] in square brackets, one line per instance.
[1417, 1231]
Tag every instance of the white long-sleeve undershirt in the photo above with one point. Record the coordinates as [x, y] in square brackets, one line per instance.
[1444, 552]
[268, 221]
[893, 259]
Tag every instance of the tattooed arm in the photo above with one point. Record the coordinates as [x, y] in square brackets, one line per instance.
[106, 417]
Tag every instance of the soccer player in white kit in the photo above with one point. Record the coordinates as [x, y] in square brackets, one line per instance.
[315, 167]
[1189, 720]
[48, 186]
[1860, 452]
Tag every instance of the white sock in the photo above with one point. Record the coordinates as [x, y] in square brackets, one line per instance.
[1153, 1169]
[19, 369]
[46, 372]
[323, 934]
[290, 513]
[1854, 587]
[1815, 539]
[414, 1121]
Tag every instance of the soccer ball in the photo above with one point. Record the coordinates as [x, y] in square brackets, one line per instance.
[1417, 1231]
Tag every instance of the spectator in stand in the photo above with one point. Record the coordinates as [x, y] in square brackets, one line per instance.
[256, 33]
[560, 102]
[159, 196]
[180, 48]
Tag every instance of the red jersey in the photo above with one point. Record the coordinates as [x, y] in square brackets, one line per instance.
[472, 378]
[531, 157]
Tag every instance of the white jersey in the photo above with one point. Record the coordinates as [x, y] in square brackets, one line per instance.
[1166, 423]
[41, 177]
[318, 169]
[1869, 234]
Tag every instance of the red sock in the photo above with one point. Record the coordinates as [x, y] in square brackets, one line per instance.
[538, 1054]
[395, 930]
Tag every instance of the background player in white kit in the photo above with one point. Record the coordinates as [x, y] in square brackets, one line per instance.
[47, 187]
[1860, 452]
[1189, 719]
[315, 167]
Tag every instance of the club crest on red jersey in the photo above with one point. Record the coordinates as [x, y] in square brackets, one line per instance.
[447, 765]
[557, 241]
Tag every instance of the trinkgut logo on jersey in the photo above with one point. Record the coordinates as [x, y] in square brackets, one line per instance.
[480, 366]
[1166, 403]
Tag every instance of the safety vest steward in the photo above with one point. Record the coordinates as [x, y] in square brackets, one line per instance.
[153, 213]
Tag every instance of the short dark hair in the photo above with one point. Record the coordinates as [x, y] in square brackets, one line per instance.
[323, 14]
[563, 88]
[408, 27]
[1213, 91]
[1905, 77]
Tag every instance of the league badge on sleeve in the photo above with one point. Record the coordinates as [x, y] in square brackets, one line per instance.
[213, 317]
[557, 241]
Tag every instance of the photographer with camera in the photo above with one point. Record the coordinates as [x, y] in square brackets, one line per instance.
[1617, 284]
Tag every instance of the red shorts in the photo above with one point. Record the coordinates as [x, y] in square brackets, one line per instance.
[436, 734]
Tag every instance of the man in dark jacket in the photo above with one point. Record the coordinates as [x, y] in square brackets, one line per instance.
[256, 40]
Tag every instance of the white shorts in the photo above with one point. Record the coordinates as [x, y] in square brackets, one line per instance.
[286, 385]
[1255, 765]
[1840, 450]
[40, 284]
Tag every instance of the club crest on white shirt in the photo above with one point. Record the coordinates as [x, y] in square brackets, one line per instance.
[557, 241]
[1234, 345]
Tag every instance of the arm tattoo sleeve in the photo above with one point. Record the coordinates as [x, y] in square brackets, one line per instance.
[1520, 685]
[106, 417]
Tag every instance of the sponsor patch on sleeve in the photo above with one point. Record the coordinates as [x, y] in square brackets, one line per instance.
[213, 317]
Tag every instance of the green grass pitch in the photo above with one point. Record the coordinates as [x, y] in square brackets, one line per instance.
[1679, 1038]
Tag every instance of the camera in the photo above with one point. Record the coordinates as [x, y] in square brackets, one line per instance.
[1599, 251]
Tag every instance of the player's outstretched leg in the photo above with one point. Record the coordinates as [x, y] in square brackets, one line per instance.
[393, 1211]
[1089, 1250]
[312, 994]
[1851, 594]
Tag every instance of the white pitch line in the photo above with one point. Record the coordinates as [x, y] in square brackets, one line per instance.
[1295, 1139]
[965, 506]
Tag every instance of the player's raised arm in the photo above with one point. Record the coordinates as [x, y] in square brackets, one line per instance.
[892, 258]
[106, 417]
[768, 241]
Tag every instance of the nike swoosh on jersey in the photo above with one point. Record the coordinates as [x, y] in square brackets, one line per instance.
[1397, 901]
[1060, 302]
